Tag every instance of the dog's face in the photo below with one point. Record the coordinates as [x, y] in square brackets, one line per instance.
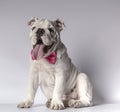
[45, 33]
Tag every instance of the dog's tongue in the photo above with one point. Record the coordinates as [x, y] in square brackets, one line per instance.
[37, 52]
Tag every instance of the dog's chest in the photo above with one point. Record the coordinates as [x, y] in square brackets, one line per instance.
[46, 70]
[46, 75]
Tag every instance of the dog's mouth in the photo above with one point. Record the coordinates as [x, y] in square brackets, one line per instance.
[40, 49]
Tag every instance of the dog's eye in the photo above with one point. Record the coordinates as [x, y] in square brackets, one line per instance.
[51, 30]
[33, 28]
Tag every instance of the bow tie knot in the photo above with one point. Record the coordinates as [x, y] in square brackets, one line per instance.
[51, 58]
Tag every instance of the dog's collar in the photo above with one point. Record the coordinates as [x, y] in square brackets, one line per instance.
[51, 58]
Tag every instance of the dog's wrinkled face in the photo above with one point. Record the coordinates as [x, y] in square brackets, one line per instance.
[45, 34]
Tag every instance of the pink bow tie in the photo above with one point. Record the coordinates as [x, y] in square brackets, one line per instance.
[51, 58]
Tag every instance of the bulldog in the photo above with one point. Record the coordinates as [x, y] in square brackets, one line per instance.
[52, 69]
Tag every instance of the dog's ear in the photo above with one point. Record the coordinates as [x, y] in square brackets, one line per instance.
[59, 25]
[32, 20]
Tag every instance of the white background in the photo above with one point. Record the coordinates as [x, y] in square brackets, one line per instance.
[92, 36]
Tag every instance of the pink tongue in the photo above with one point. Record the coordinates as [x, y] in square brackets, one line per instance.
[37, 52]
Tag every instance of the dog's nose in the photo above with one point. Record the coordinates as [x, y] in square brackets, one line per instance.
[40, 32]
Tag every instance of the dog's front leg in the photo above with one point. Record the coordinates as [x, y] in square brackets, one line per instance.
[32, 88]
[57, 102]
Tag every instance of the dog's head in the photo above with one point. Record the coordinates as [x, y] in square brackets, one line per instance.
[45, 34]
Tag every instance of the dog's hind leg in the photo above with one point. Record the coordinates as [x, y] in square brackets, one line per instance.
[84, 91]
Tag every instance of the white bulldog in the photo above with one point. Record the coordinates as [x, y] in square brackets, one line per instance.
[52, 69]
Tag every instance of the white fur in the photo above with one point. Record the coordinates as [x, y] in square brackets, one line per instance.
[57, 80]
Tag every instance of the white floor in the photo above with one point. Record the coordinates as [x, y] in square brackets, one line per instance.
[42, 108]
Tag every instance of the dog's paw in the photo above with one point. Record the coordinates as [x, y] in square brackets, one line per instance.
[26, 104]
[48, 103]
[77, 103]
[74, 103]
[57, 105]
